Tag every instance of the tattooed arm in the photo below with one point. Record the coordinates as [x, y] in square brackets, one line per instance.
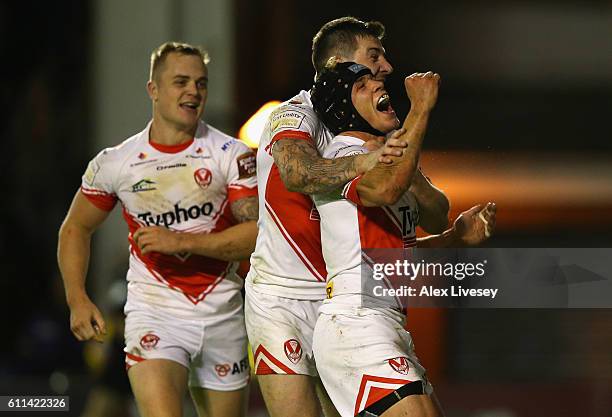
[303, 170]
[232, 244]
[245, 209]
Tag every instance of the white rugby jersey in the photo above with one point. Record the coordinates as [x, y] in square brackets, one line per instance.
[186, 188]
[347, 227]
[287, 260]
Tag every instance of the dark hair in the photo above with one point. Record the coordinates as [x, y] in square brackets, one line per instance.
[339, 37]
[158, 56]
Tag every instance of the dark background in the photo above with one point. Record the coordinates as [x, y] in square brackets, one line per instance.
[522, 119]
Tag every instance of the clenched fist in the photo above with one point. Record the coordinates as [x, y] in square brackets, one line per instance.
[422, 89]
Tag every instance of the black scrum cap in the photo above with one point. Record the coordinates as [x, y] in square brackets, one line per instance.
[331, 98]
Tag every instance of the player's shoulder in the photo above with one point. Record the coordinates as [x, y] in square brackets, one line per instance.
[219, 141]
[118, 153]
[300, 102]
[110, 160]
[344, 146]
[294, 112]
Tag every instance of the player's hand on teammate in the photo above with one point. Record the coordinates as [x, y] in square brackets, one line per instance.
[86, 321]
[158, 239]
[422, 89]
[475, 225]
[374, 144]
[385, 151]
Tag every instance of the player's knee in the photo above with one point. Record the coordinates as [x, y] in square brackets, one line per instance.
[213, 403]
[158, 386]
[414, 406]
[289, 395]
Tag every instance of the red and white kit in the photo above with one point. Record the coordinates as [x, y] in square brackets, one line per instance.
[286, 282]
[177, 304]
[362, 353]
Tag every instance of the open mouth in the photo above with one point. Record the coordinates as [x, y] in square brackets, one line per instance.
[384, 104]
[189, 105]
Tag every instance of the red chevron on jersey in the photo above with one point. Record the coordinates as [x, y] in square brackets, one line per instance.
[131, 360]
[291, 213]
[316, 268]
[267, 364]
[374, 388]
[195, 276]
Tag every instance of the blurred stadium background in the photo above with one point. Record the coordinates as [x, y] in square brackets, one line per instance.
[523, 119]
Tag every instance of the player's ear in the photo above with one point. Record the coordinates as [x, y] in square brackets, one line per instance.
[152, 90]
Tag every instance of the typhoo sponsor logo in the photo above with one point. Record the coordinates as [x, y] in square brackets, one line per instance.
[177, 216]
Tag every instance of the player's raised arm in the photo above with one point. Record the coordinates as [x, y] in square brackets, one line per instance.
[385, 184]
[73, 250]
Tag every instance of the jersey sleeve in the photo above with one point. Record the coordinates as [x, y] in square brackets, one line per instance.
[294, 121]
[97, 184]
[338, 150]
[241, 171]
[349, 192]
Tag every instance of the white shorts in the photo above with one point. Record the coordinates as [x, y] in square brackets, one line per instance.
[214, 350]
[363, 355]
[280, 332]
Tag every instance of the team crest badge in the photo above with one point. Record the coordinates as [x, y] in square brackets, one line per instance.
[149, 341]
[203, 177]
[293, 350]
[400, 364]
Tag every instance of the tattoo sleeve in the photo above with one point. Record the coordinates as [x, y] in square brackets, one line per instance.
[303, 170]
[245, 209]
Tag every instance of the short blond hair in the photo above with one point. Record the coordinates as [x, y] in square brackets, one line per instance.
[158, 56]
